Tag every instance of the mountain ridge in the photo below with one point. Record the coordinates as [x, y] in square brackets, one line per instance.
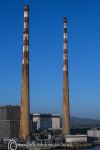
[84, 122]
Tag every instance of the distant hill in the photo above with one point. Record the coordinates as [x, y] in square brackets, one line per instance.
[84, 122]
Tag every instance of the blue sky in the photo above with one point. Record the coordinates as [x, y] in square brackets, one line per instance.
[46, 54]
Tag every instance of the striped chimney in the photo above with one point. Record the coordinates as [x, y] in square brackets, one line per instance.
[25, 102]
[66, 111]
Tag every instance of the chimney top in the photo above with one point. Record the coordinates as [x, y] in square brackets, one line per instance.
[26, 8]
[65, 20]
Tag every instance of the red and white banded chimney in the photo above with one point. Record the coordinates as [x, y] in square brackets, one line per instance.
[66, 111]
[25, 101]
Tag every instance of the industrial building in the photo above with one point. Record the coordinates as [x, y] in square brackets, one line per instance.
[75, 139]
[9, 121]
[93, 134]
[46, 121]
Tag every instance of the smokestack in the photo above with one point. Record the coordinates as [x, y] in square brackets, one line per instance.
[66, 111]
[25, 102]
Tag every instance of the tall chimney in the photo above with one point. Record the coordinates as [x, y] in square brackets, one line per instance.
[25, 100]
[66, 111]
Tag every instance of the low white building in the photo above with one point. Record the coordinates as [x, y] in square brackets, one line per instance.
[71, 139]
[93, 133]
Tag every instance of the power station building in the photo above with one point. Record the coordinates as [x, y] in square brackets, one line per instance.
[9, 121]
[46, 121]
[10, 116]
